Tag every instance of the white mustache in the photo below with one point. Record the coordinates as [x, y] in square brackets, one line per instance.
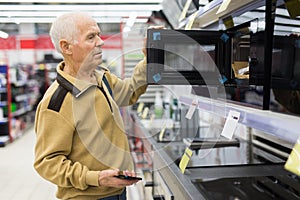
[97, 52]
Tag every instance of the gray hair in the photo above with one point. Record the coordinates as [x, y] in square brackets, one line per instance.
[64, 27]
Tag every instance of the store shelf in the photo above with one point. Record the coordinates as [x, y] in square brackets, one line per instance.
[25, 97]
[3, 103]
[19, 83]
[283, 126]
[4, 140]
[208, 15]
[22, 111]
[3, 90]
[17, 101]
[3, 120]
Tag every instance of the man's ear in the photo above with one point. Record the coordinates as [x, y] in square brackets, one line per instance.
[65, 47]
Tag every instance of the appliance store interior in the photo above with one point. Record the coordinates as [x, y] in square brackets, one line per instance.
[220, 117]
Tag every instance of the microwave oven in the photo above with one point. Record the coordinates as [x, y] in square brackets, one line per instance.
[187, 57]
[285, 70]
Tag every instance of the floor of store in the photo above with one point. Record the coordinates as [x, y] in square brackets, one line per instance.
[18, 179]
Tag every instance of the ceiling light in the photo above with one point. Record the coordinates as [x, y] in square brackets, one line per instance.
[83, 1]
[55, 14]
[44, 13]
[50, 20]
[3, 35]
[92, 7]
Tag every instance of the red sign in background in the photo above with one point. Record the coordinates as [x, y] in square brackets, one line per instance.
[27, 44]
[44, 42]
[9, 43]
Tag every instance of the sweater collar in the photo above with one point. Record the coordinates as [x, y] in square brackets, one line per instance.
[76, 86]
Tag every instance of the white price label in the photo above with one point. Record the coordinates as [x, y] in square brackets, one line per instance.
[230, 124]
[191, 110]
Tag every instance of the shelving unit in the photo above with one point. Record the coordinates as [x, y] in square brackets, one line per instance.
[283, 126]
[268, 130]
[280, 125]
[5, 97]
[208, 15]
[18, 97]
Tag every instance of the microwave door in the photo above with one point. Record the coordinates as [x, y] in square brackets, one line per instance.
[184, 57]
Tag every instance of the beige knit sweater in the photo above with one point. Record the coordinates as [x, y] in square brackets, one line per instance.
[85, 133]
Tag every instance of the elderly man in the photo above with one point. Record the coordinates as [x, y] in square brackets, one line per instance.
[81, 143]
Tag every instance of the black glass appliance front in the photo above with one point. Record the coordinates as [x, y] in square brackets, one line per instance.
[185, 57]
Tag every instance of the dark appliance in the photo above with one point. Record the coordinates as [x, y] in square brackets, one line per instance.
[197, 57]
[285, 61]
[185, 57]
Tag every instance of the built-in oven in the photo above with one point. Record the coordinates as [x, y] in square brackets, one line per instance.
[185, 57]
[285, 61]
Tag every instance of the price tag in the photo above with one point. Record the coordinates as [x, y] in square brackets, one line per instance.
[192, 109]
[185, 159]
[228, 22]
[161, 134]
[293, 162]
[145, 113]
[140, 107]
[152, 117]
[293, 7]
[230, 124]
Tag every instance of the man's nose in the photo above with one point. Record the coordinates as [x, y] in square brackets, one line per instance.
[100, 42]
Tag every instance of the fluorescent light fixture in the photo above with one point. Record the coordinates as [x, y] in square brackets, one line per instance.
[3, 35]
[83, 1]
[45, 13]
[92, 7]
[50, 20]
[52, 14]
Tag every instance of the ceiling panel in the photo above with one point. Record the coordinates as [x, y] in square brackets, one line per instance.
[87, 1]
[111, 11]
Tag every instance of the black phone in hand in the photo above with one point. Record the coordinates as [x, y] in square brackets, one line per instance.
[128, 177]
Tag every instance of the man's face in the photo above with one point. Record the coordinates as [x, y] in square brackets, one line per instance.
[87, 45]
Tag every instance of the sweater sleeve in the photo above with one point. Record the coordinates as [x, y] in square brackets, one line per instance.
[53, 145]
[128, 90]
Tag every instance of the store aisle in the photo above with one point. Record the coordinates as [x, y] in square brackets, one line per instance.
[18, 180]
